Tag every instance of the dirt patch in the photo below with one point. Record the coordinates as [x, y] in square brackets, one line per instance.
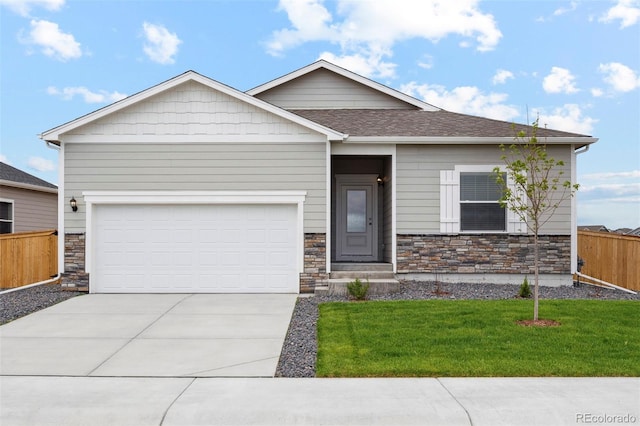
[538, 323]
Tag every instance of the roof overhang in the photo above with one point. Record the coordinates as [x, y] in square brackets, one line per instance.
[464, 140]
[55, 135]
[28, 186]
[347, 74]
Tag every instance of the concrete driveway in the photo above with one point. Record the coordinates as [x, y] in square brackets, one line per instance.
[150, 335]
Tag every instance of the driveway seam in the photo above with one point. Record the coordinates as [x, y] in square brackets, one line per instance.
[136, 336]
[164, 415]
[456, 400]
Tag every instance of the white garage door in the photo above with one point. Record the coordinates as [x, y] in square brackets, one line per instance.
[195, 249]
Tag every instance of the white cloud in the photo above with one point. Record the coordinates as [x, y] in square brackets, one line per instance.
[568, 118]
[465, 100]
[610, 198]
[372, 28]
[161, 45]
[4, 159]
[562, 10]
[560, 80]
[620, 77]
[23, 7]
[502, 76]
[41, 164]
[613, 175]
[366, 65]
[53, 42]
[596, 92]
[89, 97]
[627, 11]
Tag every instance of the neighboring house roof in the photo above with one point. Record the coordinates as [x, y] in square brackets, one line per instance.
[53, 135]
[10, 176]
[416, 123]
[593, 228]
[623, 230]
[345, 73]
[635, 232]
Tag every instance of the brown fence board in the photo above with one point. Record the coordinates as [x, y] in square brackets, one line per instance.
[27, 258]
[611, 257]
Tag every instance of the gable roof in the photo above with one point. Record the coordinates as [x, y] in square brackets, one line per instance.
[54, 135]
[10, 176]
[345, 73]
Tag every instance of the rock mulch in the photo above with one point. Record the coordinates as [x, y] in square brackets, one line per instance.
[298, 357]
[23, 302]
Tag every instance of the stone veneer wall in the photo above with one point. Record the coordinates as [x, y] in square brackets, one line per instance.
[315, 262]
[485, 253]
[74, 256]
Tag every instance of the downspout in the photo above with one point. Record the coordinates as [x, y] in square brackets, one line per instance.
[61, 233]
[574, 210]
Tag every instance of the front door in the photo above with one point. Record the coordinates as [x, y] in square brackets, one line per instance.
[356, 218]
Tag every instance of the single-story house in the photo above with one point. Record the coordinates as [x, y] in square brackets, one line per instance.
[27, 203]
[194, 186]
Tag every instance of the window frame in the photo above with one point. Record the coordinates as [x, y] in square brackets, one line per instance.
[471, 202]
[12, 212]
[450, 204]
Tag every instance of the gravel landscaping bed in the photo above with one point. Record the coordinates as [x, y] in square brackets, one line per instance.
[298, 357]
[23, 302]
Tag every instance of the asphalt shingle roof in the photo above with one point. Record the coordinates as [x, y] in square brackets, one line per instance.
[12, 174]
[407, 123]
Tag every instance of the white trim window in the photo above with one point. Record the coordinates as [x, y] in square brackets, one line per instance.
[469, 202]
[6, 216]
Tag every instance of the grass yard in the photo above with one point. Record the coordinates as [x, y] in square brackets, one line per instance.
[458, 338]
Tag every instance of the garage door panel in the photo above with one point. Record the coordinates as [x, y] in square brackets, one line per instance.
[195, 248]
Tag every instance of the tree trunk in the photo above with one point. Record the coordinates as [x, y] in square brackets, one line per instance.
[535, 266]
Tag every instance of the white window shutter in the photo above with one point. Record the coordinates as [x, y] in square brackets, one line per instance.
[449, 201]
[514, 224]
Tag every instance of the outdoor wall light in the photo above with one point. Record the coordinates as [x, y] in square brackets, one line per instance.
[74, 204]
[380, 180]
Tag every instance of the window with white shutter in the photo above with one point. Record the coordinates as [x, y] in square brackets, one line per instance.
[469, 202]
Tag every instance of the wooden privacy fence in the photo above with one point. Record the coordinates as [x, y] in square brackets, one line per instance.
[611, 257]
[27, 258]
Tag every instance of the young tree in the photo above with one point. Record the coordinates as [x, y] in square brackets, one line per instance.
[533, 187]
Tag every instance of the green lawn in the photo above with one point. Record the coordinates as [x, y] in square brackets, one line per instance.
[457, 338]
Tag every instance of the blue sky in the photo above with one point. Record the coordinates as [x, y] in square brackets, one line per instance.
[575, 64]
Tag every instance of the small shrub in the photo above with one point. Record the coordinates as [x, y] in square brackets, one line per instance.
[357, 289]
[525, 290]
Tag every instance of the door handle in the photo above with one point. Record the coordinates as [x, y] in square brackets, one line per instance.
[370, 222]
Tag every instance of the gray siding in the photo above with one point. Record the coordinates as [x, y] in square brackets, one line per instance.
[323, 89]
[33, 210]
[197, 167]
[418, 183]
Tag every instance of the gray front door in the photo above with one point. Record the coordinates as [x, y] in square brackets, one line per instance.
[356, 218]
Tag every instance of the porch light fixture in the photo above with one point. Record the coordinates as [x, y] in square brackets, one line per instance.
[74, 204]
[380, 180]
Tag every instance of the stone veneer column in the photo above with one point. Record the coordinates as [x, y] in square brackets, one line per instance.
[315, 262]
[485, 253]
[74, 258]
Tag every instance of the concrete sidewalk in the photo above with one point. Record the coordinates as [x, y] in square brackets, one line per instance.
[252, 401]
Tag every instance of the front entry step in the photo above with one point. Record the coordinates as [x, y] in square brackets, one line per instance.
[380, 277]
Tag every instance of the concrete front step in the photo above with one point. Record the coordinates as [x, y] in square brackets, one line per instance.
[388, 267]
[338, 286]
[363, 275]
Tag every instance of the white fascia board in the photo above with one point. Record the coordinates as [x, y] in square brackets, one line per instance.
[466, 140]
[30, 187]
[54, 135]
[347, 74]
[193, 139]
